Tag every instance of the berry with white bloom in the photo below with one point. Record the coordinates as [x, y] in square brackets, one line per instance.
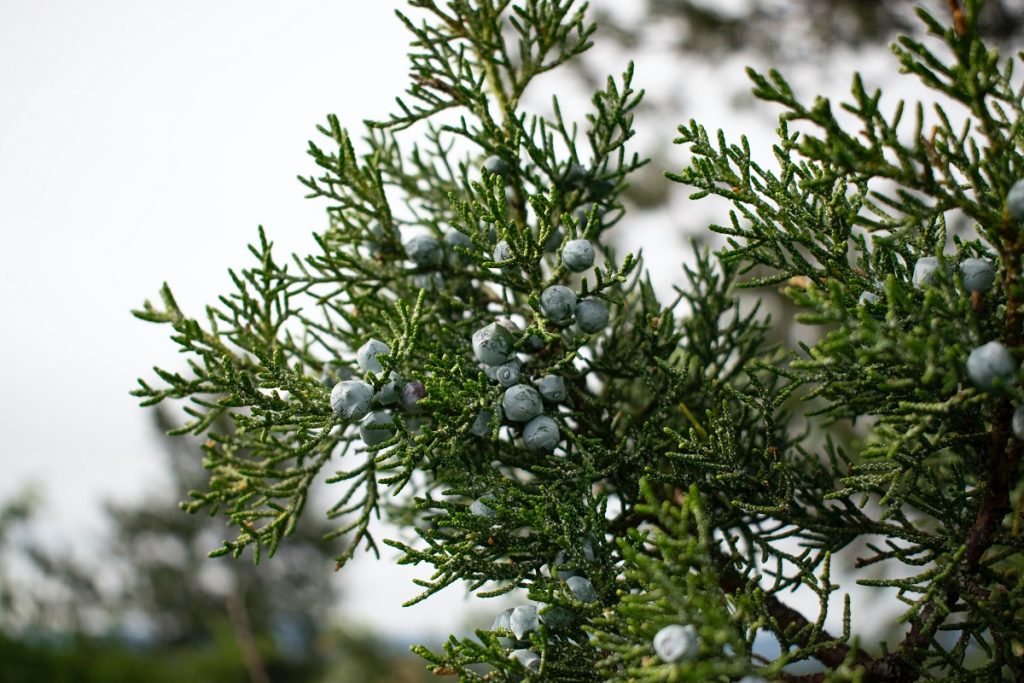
[351, 398]
[867, 298]
[675, 643]
[496, 165]
[581, 589]
[541, 434]
[591, 315]
[554, 239]
[552, 388]
[482, 424]
[376, 428]
[389, 393]
[523, 620]
[411, 395]
[508, 374]
[425, 251]
[557, 303]
[991, 366]
[502, 251]
[559, 561]
[332, 374]
[428, 281]
[366, 356]
[521, 403]
[977, 274]
[1015, 201]
[926, 271]
[558, 618]
[583, 215]
[530, 660]
[578, 255]
[493, 344]
[456, 238]
[502, 621]
[600, 189]
[575, 174]
[481, 509]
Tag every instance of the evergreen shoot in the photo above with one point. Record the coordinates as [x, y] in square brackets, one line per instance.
[467, 354]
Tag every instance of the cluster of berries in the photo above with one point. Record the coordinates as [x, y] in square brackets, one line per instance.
[493, 346]
[990, 367]
[525, 619]
[354, 399]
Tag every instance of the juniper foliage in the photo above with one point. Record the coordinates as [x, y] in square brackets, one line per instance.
[679, 490]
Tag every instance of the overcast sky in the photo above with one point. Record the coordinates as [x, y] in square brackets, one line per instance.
[144, 142]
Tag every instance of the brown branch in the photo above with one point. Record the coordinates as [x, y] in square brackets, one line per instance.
[959, 21]
[789, 619]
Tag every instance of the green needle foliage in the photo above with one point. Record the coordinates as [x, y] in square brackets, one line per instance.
[700, 475]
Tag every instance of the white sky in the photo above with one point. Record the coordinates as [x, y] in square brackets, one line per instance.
[143, 142]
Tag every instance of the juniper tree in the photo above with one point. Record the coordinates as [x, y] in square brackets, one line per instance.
[643, 475]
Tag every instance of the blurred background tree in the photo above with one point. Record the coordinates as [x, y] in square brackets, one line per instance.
[157, 609]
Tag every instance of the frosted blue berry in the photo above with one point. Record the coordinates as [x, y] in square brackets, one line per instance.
[991, 366]
[376, 428]
[575, 175]
[332, 374]
[554, 240]
[493, 344]
[429, 281]
[557, 303]
[1015, 201]
[591, 315]
[502, 621]
[497, 166]
[1018, 422]
[583, 215]
[588, 550]
[530, 660]
[412, 394]
[481, 509]
[382, 240]
[482, 424]
[502, 251]
[600, 189]
[675, 643]
[552, 388]
[425, 251]
[977, 274]
[867, 298]
[559, 561]
[509, 325]
[521, 403]
[581, 589]
[390, 391]
[456, 238]
[366, 356]
[534, 343]
[926, 271]
[578, 255]
[523, 620]
[350, 399]
[558, 618]
[508, 374]
[541, 434]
